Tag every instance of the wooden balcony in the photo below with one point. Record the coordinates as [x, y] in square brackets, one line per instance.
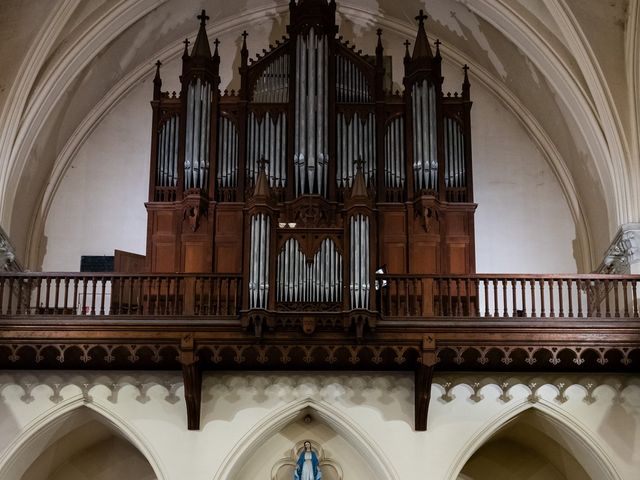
[195, 322]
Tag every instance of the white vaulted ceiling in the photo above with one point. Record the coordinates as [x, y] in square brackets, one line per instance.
[567, 69]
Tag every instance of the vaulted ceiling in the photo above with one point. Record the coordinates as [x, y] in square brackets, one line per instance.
[567, 69]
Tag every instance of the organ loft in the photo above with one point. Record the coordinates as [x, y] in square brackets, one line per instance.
[314, 220]
[314, 175]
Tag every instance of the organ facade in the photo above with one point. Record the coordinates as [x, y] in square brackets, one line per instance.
[315, 175]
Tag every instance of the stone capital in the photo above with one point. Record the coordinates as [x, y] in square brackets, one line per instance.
[7, 254]
[624, 250]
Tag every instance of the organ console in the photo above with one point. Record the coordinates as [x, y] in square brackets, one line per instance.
[313, 175]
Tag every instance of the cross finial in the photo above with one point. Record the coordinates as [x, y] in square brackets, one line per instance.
[157, 77]
[203, 17]
[465, 68]
[406, 46]
[216, 42]
[244, 40]
[262, 163]
[186, 43]
[438, 43]
[379, 45]
[421, 17]
[359, 162]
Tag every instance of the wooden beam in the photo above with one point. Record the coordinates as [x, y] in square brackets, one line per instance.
[192, 378]
[423, 380]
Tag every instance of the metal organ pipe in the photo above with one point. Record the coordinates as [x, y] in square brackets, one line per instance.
[359, 261]
[311, 108]
[303, 281]
[227, 175]
[351, 83]
[310, 140]
[196, 165]
[259, 266]
[455, 175]
[355, 141]
[394, 153]
[425, 163]
[268, 139]
[167, 154]
[272, 85]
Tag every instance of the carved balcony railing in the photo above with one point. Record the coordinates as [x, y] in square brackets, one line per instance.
[397, 296]
[196, 322]
[508, 296]
[109, 294]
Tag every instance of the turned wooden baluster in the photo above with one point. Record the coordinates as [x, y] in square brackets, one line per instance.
[634, 290]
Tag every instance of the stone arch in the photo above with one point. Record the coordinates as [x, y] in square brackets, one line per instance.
[581, 440]
[279, 419]
[45, 430]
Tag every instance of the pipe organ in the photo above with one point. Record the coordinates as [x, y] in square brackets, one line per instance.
[312, 176]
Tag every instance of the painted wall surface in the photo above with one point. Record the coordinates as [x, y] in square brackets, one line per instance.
[363, 422]
[523, 223]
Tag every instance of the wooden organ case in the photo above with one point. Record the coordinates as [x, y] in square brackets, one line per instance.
[313, 176]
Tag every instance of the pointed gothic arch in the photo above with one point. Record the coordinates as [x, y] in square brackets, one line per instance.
[583, 442]
[46, 429]
[279, 419]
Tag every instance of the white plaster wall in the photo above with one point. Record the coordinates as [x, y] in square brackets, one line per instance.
[100, 204]
[598, 418]
[523, 223]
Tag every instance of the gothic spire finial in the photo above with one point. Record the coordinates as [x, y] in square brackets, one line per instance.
[466, 86]
[185, 54]
[201, 47]
[262, 187]
[244, 52]
[157, 81]
[421, 47]
[359, 186]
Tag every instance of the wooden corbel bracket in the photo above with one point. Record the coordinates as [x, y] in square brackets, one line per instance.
[192, 378]
[423, 379]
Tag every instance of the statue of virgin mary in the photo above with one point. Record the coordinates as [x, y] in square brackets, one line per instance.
[307, 466]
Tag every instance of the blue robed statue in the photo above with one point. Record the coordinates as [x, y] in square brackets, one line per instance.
[307, 466]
